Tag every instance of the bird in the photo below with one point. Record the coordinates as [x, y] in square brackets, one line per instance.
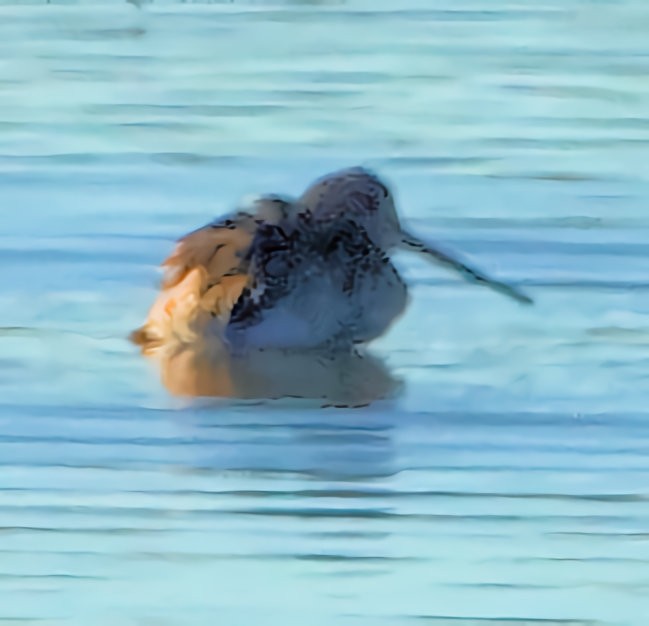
[284, 273]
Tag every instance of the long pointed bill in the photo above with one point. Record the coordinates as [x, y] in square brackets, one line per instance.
[470, 274]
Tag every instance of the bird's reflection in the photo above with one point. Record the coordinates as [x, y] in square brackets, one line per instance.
[345, 379]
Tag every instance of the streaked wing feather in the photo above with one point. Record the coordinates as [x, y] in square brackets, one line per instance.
[218, 248]
[204, 277]
[206, 274]
[303, 275]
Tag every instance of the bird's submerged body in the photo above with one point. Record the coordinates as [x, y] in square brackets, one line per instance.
[311, 273]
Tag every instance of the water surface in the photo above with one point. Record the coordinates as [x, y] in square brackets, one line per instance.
[506, 485]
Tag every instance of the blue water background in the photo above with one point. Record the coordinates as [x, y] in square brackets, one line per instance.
[507, 485]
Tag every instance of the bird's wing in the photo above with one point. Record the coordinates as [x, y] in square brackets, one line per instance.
[221, 246]
[302, 274]
[203, 278]
[205, 275]
[218, 248]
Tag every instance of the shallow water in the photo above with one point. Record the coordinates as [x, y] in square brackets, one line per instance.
[508, 483]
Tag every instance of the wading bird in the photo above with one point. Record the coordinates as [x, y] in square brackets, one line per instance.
[294, 274]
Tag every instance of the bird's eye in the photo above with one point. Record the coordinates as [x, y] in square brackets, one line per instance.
[359, 201]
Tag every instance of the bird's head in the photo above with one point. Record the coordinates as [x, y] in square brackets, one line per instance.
[359, 195]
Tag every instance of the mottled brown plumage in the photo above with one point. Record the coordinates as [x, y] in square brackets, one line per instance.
[294, 273]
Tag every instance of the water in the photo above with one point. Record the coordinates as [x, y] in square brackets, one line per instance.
[506, 484]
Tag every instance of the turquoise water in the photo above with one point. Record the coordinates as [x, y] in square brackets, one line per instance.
[507, 483]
